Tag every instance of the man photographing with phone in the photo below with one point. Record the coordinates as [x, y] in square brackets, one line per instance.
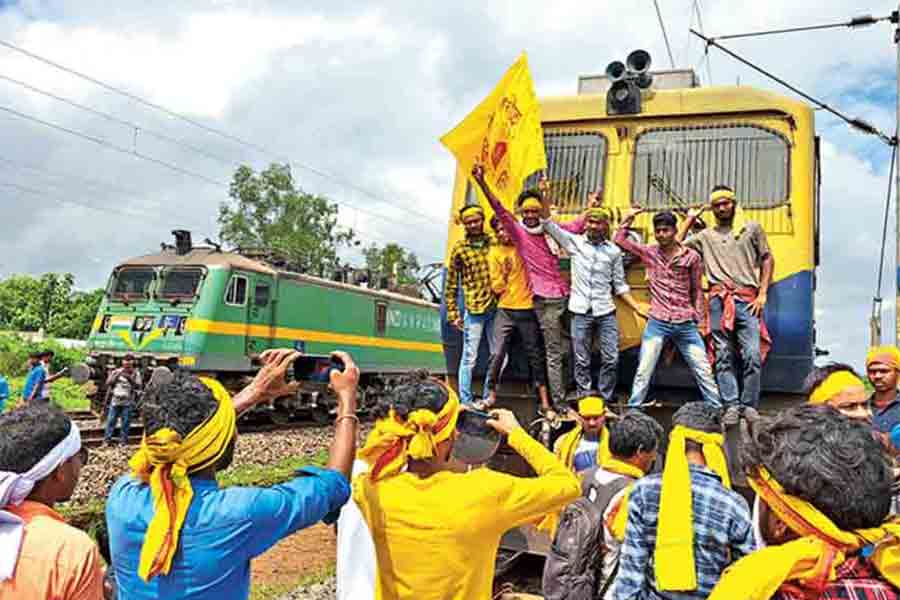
[173, 533]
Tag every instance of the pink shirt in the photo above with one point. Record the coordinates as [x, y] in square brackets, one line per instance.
[542, 265]
[56, 561]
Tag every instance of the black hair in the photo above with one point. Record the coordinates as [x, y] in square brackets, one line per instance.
[529, 193]
[722, 187]
[700, 416]
[415, 390]
[29, 433]
[632, 433]
[664, 219]
[821, 456]
[818, 375]
[35, 355]
[182, 404]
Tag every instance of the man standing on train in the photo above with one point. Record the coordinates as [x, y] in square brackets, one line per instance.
[676, 305]
[597, 273]
[541, 256]
[468, 265]
[739, 267]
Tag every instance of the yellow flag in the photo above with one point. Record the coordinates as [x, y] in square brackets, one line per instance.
[504, 134]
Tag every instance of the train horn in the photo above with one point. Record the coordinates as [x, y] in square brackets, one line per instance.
[615, 71]
[638, 62]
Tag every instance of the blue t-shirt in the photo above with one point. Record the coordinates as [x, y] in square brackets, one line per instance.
[586, 454]
[224, 529]
[4, 392]
[36, 378]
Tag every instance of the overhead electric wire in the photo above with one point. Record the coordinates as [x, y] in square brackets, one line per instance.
[662, 26]
[699, 10]
[884, 230]
[96, 183]
[213, 130]
[33, 191]
[861, 21]
[137, 127]
[854, 122]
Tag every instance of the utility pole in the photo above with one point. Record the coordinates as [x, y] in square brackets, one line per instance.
[895, 19]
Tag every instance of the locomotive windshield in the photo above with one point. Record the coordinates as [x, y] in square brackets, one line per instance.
[180, 283]
[133, 282]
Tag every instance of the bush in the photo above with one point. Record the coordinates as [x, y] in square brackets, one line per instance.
[14, 353]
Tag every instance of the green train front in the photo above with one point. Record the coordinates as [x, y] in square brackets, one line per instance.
[214, 312]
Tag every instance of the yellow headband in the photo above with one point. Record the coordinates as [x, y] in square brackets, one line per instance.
[674, 553]
[470, 211]
[721, 194]
[591, 406]
[597, 213]
[885, 355]
[833, 385]
[810, 560]
[531, 203]
[393, 440]
[165, 460]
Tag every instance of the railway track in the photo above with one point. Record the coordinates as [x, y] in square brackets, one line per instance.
[92, 437]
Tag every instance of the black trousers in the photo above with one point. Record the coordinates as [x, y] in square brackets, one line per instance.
[508, 321]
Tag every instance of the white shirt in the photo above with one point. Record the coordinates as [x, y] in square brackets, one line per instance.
[614, 546]
[356, 560]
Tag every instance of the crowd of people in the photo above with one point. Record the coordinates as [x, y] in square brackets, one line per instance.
[513, 283]
[420, 524]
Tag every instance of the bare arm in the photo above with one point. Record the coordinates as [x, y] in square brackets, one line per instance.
[631, 303]
[269, 382]
[52, 378]
[112, 376]
[766, 270]
[343, 448]
[688, 222]
[621, 237]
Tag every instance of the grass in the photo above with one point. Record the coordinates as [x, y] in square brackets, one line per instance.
[65, 393]
[272, 592]
[271, 474]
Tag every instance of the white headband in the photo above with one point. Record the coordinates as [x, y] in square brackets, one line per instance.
[15, 488]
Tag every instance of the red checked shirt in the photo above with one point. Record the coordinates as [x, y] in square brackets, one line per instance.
[856, 579]
[676, 292]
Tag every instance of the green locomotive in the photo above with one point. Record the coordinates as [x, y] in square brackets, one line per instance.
[212, 312]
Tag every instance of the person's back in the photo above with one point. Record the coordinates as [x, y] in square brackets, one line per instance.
[223, 531]
[436, 533]
[4, 392]
[34, 382]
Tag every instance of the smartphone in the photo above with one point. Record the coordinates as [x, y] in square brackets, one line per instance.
[314, 367]
[477, 441]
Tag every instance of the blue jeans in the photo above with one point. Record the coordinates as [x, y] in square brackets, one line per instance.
[474, 326]
[741, 344]
[115, 412]
[687, 339]
[605, 328]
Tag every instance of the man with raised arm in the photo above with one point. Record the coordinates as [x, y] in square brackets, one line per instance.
[173, 533]
[676, 305]
[598, 274]
[541, 256]
[739, 267]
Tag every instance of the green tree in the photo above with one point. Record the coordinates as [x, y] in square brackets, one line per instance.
[267, 210]
[392, 261]
[48, 302]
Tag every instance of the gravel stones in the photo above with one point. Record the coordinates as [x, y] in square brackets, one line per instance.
[326, 590]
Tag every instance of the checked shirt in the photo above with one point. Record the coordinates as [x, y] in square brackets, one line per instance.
[469, 262]
[723, 533]
[856, 579]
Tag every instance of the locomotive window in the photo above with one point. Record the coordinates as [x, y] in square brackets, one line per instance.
[261, 294]
[133, 282]
[180, 283]
[575, 165]
[678, 167]
[380, 318]
[236, 295]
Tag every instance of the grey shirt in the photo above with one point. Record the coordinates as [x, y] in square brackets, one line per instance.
[731, 259]
[597, 271]
[124, 388]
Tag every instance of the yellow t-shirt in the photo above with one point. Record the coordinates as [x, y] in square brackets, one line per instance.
[514, 291]
[436, 538]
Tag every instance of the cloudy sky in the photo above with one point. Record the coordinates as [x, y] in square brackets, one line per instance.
[361, 93]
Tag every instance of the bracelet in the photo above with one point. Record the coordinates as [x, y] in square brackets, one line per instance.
[342, 417]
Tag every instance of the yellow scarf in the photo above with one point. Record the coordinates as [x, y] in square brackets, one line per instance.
[833, 385]
[470, 211]
[568, 443]
[393, 440]
[886, 355]
[165, 460]
[674, 553]
[619, 518]
[597, 213]
[531, 203]
[810, 560]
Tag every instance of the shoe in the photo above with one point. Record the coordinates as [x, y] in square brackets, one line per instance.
[731, 416]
